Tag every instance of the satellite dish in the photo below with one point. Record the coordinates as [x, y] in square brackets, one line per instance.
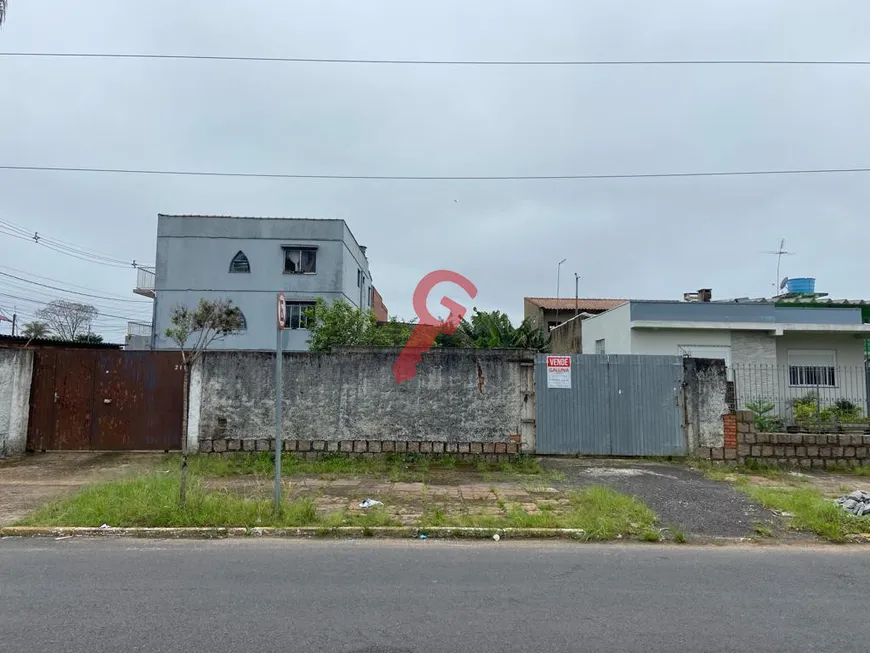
[784, 283]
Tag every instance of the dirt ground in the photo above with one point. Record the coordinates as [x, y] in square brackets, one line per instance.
[27, 483]
[447, 491]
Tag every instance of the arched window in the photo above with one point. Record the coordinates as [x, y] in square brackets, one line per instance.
[240, 263]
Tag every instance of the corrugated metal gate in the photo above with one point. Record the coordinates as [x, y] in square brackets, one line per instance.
[619, 405]
[104, 400]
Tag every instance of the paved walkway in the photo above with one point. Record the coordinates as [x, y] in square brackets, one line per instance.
[678, 495]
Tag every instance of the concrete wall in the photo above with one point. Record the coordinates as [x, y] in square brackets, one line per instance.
[16, 372]
[458, 396]
[704, 390]
[193, 262]
[614, 327]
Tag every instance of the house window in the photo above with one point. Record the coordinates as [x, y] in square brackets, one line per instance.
[812, 367]
[359, 278]
[240, 263]
[300, 260]
[296, 318]
[599, 346]
[243, 323]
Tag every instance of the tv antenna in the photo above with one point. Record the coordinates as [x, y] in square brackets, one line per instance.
[779, 254]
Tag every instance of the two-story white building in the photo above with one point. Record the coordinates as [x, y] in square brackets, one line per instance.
[249, 260]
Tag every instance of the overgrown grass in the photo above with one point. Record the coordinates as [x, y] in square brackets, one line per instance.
[601, 512]
[811, 510]
[396, 467]
[152, 501]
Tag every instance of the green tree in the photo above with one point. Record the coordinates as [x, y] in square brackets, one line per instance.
[193, 330]
[340, 323]
[89, 337]
[2, 11]
[493, 329]
[35, 329]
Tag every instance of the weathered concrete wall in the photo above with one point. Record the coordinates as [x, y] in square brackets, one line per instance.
[16, 371]
[704, 390]
[458, 396]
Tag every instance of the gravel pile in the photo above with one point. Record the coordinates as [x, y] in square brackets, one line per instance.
[857, 503]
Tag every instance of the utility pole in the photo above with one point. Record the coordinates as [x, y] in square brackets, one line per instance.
[14, 321]
[576, 295]
[279, 396]
[558, 283]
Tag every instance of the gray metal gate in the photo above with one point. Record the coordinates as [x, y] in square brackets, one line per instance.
[619, 405]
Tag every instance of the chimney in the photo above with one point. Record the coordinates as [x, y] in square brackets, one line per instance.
[363, 249]
[705, 294]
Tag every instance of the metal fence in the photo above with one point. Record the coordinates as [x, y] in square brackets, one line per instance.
[803, 397]
[611, 405]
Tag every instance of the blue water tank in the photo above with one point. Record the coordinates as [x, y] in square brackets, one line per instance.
[802, 285]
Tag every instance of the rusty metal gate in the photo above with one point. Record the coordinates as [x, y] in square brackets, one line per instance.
[105, 400]
[610, 405]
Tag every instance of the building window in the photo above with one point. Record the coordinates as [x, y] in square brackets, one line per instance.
[243, 323]
[359, 278]
[300, 260]
[812, 367]
[240, 263]
[599, 346]
[371, 295]
[296, 318]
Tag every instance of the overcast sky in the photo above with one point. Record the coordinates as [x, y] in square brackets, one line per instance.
[638, 238]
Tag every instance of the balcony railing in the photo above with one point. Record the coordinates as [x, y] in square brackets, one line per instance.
[138, 329]
[145, 278]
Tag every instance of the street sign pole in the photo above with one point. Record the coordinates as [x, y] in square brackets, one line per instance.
[279, 395]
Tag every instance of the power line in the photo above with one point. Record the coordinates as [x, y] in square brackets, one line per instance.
[275, 175]
[63, 247]
[72, 285]
[126, 318]
[71, 292]
[442, 62]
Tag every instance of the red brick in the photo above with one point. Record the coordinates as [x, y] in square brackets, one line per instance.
[500, 447]
[488, 447]
[388, 446]
[475, 447]
[513, 448]
[516, 437]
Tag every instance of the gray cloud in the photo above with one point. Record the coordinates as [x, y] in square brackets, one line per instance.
[653, 238]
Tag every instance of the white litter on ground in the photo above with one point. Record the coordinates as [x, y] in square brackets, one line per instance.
[368, 503]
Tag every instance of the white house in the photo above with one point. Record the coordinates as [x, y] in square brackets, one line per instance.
[773, 352]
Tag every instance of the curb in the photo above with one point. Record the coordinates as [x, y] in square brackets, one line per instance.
[389, 532]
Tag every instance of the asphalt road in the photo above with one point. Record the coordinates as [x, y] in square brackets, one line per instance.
[81, 596]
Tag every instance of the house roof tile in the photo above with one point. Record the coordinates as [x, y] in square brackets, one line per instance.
[585, 304]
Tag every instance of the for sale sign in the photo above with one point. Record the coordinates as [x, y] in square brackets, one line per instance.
[558, 371]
